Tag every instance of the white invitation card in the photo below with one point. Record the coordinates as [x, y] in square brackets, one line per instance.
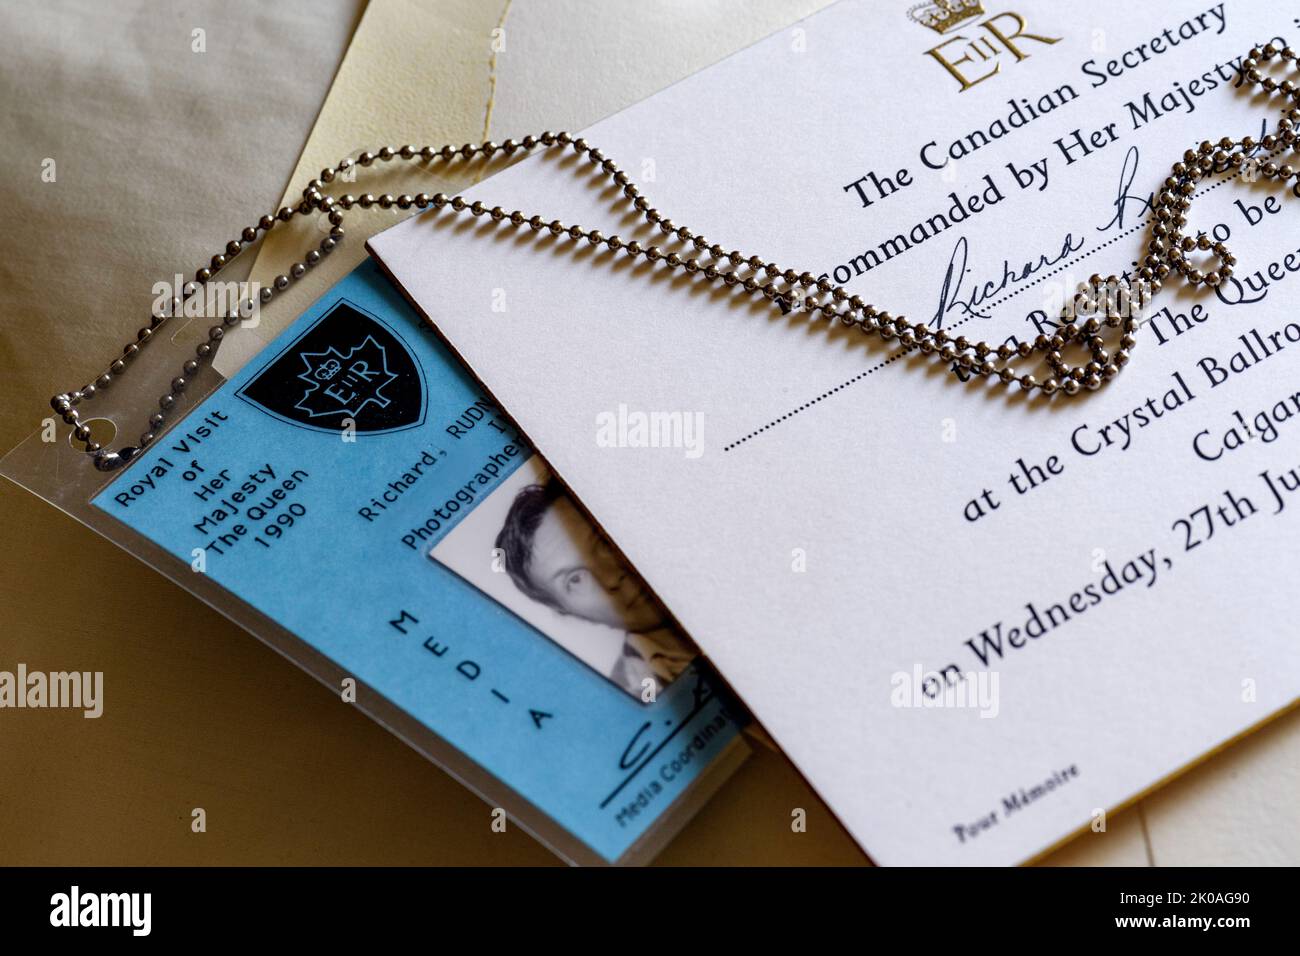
[977, 621]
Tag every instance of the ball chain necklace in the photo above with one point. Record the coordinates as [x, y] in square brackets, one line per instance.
[1112, 302]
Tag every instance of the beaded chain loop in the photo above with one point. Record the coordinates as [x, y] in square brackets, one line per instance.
[1101, 303]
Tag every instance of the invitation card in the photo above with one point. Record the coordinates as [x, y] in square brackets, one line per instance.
[977, 621]
[312, 486]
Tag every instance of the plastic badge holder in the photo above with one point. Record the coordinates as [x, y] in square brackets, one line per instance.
[65, 476]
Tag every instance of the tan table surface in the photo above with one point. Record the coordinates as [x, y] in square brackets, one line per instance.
[162, 153]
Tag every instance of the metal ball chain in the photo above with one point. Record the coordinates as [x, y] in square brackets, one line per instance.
[1101, 303]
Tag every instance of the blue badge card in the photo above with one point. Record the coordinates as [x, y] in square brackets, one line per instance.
[314, 485]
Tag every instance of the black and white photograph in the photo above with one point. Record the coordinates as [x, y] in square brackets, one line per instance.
[529, 547]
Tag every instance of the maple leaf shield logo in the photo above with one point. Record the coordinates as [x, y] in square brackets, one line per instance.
[345, 383]
[349, 369]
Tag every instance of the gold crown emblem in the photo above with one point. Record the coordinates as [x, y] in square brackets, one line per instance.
[942, 15]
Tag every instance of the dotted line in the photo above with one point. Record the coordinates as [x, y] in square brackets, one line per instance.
[813, 401]
[893, 358]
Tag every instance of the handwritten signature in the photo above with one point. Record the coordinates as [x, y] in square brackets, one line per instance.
[971, 299]
[1124, 199]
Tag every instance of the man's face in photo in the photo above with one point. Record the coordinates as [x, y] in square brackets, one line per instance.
[572, 562]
